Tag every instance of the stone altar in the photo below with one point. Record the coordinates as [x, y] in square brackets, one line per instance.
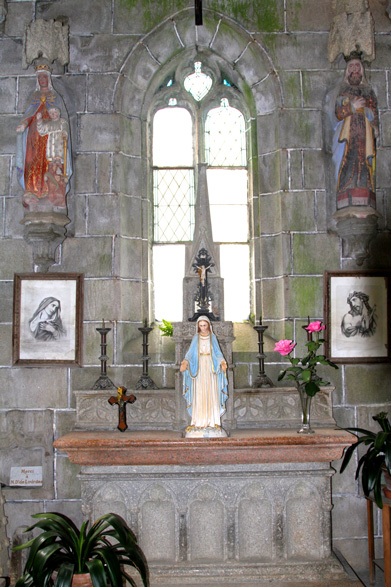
[249, 508]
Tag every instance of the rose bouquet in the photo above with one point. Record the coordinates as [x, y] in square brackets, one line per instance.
[303, 371]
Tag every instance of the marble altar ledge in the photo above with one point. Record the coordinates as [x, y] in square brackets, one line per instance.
[164, 447]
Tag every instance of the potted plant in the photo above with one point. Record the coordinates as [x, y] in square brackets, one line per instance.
[64, 556]
[376, 460]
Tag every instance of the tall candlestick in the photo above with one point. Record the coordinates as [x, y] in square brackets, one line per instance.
[145, 382]
[262, 380]
[103, 381]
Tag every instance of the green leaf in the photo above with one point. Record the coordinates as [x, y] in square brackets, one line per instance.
[295, 361]
[281, 375]
[65, 575]
[311, 388]
[97, 571]
[348, 452]
[306, 376]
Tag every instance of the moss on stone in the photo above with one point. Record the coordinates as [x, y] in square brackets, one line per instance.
[263, 13]
[154, 13]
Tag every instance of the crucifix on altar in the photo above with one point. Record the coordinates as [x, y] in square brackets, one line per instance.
[121, 400]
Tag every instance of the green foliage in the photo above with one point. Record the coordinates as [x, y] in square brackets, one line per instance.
[63, 549]
[167, 328]
[377, 457]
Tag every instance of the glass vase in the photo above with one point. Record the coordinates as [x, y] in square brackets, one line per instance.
[305, 404]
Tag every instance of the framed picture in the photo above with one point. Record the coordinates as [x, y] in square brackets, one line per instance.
[47, 320]
[357, 316]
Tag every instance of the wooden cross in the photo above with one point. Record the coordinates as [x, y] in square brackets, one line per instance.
[121, 400]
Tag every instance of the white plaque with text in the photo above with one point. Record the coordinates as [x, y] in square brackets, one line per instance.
[26, 476]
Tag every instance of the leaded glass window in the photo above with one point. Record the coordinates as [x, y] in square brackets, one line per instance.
[174, 164]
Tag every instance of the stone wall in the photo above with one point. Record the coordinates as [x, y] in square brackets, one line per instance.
[119, 51]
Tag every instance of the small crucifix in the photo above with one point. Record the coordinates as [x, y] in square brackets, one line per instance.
[121, 400]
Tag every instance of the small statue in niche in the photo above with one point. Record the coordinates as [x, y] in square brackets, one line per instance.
[37, 150]
[205, 384]
[354, 145]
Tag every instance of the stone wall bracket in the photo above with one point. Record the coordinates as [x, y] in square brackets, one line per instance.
[44, 231]
[357, 226]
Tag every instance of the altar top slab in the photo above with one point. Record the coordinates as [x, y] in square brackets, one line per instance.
[165, 447]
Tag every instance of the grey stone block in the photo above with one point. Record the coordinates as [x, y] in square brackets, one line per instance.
[385, 118]
[383, 162]
[300, 128]
[99, 132]
[269, 172]
[360, 378]
[316, 84]
[8, 95]
[85, 173]
[37, 388]
[309, 15]
[102, 300]
[252, 64]
[13, 216]
[100, 92]
[70, 508]
[264, 94]
[93, 253]
[276, 255]
[324, 252]
[130, 129]
[349, 516]
[302, 51]
[303, 296]
[255, 15]
[164, 43]
[292, 91]
[12, 48]
[129, 256]
[6, 344]
[8, 126]
[67, 482]
[140, 67]
[15, 257]
[82, 19]
[267, 128]
[314, 169]
[5, 172]
[127, 174]
[298, 211]
[26, 86]
[131, 216]
[103, 215]
[104, 173]
[295, 169]
[26, 440]
[6, 294]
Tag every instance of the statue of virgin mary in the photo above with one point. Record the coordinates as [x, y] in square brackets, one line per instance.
[205, 384]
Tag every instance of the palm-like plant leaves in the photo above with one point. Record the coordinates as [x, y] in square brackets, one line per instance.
[377, 456]
[101, 551]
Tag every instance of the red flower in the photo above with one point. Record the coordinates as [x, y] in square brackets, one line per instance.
[284, 347]
[315, 326]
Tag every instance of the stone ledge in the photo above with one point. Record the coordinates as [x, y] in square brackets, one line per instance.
[169, 448]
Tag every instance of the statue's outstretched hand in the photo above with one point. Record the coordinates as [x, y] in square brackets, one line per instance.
[224, 366]
[183, 366]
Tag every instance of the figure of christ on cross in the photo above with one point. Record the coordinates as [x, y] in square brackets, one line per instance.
[121, 400]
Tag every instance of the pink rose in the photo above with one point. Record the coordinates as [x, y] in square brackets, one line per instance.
[315, 326]
[284, 347]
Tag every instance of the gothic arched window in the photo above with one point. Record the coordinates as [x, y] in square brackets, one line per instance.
[199, 119]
